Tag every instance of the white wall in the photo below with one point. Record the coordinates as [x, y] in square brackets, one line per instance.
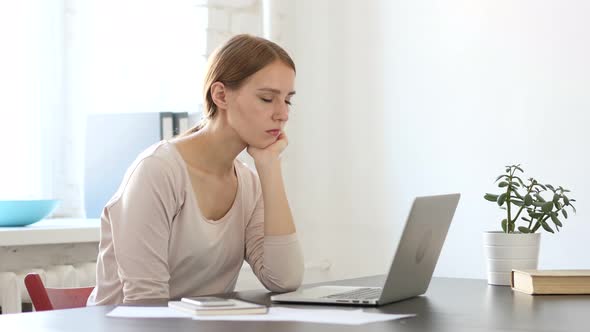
[231, 17]
[337, 139]
[403, 98]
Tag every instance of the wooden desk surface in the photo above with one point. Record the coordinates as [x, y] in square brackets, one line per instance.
[449, 305]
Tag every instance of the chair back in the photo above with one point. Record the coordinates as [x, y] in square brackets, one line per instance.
[55, 298]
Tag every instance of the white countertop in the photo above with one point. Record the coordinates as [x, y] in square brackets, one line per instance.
[52, 231]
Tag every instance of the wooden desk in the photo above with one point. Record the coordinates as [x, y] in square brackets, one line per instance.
[449, 305]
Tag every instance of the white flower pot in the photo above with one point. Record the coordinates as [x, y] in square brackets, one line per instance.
[505, 252]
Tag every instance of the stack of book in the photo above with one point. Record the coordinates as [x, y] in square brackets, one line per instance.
[234, 307]
[551, 281]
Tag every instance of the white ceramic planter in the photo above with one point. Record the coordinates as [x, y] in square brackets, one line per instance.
[505, 252]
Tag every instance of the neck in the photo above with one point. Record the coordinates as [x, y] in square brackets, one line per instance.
[212, 149]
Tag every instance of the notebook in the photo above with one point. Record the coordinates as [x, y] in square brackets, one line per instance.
[238, 308]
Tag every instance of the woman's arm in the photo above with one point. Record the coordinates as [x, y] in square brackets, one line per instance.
[277, 213]
[272, 247]
[140, 220]
[276, 260]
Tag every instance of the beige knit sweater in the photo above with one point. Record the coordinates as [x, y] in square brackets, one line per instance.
[156, 244]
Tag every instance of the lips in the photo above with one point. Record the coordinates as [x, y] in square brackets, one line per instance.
[274, 132]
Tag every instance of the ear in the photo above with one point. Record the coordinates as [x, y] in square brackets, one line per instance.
[219, 95]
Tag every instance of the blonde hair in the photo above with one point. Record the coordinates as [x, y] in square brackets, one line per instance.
[235, 61]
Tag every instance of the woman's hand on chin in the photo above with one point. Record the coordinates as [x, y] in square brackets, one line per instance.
[271, 154]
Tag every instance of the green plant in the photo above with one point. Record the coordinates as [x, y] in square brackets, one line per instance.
[528, 197]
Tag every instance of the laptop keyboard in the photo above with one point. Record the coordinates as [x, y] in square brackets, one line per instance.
[357, 294]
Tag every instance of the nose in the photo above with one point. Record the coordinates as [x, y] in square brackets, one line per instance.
[281, 113]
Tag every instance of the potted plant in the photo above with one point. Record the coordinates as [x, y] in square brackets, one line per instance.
[530, 206]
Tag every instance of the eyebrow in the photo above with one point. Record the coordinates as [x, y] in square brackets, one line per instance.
[276, 91]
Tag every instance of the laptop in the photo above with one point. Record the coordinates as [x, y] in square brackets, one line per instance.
[413, 263]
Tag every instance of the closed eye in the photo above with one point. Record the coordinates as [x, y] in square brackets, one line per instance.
[288, 102]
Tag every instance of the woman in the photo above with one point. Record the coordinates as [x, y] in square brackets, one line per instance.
[187, 213]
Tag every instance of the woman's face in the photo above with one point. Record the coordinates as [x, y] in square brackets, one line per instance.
[259, 109]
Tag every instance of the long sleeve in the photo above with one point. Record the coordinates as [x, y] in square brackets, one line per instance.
[277, 261]
[141, 220]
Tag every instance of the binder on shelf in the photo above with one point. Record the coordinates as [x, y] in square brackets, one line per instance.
[180, 123]
[166, 125]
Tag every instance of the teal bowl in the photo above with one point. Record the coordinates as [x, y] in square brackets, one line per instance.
[25, 212]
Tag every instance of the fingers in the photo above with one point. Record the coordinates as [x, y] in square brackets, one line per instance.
[283, 137]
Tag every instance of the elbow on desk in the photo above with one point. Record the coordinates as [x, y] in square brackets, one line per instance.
[284, 286]
[285, 283]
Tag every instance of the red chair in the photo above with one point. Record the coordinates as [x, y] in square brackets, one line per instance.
[55, 298]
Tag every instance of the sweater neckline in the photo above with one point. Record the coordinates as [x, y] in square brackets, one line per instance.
[191, 192]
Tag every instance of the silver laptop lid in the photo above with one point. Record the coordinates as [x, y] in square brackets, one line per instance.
[418, 250]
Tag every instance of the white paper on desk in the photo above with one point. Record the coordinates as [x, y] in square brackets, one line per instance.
[147, 312]
[343, 317]
[324, 316]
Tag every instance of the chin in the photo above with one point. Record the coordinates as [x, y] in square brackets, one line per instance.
[262, 144]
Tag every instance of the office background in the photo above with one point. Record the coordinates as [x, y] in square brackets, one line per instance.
[394, 99]
[405, 98]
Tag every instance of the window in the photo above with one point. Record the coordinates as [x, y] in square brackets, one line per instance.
[139, 56]
[21, 37]
[64, 59]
